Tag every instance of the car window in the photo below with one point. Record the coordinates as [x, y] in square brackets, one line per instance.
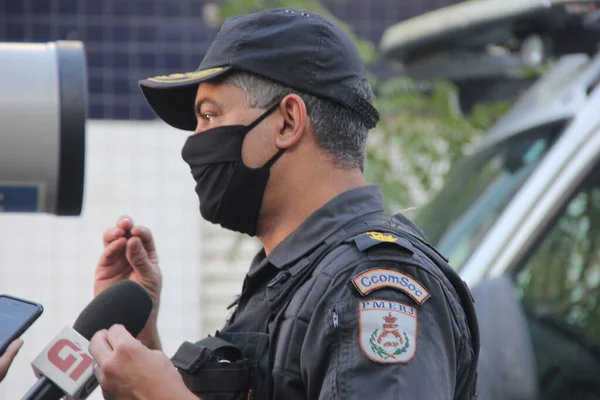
[479, 189]
[559, 288]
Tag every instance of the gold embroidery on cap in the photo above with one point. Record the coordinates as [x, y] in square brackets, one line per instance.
[186, 76]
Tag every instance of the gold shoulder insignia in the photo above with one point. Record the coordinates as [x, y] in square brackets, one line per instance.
[382, 237]
[370, 239]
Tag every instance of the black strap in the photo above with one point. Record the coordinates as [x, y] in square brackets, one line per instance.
[220, 378]
[382, 223]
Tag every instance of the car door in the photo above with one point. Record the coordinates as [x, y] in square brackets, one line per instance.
[558, 285]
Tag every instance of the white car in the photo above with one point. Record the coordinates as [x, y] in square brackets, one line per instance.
[520, 217]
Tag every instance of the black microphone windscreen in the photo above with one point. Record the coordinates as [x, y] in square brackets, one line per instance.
[125, 303]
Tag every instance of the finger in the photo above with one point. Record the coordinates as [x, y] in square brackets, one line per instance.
[107, 395]
[10, 354]
[97, 371]
[125, 222]
[112, 234]
[100, 347]
[113, 252]
[14, 348]
[118, 337]
[137, 255]
[146, 236]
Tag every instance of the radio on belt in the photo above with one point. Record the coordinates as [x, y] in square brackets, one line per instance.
[43, 107]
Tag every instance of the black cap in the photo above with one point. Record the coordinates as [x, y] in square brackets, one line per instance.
[296, 48]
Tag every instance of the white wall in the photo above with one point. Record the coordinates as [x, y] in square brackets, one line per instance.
[226, 258]
[132, 168]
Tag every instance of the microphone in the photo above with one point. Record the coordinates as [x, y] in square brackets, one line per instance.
[65, 367]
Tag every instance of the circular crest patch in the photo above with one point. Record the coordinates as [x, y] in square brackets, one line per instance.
[388, 331]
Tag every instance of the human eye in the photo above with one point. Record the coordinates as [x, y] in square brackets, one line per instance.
[205, 121]
[208, 117]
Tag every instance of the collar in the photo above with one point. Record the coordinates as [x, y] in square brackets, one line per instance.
[320, 225]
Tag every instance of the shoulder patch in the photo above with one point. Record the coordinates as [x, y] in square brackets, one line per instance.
[367, 240]
[388, 331]
[378, 278]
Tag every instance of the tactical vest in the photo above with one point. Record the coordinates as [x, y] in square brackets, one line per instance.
[228, 366]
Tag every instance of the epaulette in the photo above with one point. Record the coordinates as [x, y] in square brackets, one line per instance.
[365, 241]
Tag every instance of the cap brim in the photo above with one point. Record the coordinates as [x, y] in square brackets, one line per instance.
[172, 97]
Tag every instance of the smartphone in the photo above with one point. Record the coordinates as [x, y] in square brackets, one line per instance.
[16, 316]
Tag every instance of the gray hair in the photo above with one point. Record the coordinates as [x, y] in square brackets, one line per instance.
[338, 130]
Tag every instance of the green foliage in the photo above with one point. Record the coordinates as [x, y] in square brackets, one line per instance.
[421, 133]
[561, 281]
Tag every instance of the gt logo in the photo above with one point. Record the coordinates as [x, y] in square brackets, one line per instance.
[67, 357]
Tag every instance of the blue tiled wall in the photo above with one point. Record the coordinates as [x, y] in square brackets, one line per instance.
[131, 39]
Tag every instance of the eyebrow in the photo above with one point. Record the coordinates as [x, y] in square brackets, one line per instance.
[198, 105]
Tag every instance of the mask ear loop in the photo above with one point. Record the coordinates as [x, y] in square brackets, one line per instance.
[262, 117]
[274, 107]
[270, 163]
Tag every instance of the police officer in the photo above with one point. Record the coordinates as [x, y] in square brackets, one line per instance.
[344, 301]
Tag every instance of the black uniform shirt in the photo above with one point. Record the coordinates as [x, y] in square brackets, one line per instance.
[375, 319]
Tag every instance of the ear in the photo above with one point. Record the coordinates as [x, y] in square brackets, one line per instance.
[295, 120]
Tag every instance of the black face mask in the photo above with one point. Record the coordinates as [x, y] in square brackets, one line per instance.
[230, 192]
